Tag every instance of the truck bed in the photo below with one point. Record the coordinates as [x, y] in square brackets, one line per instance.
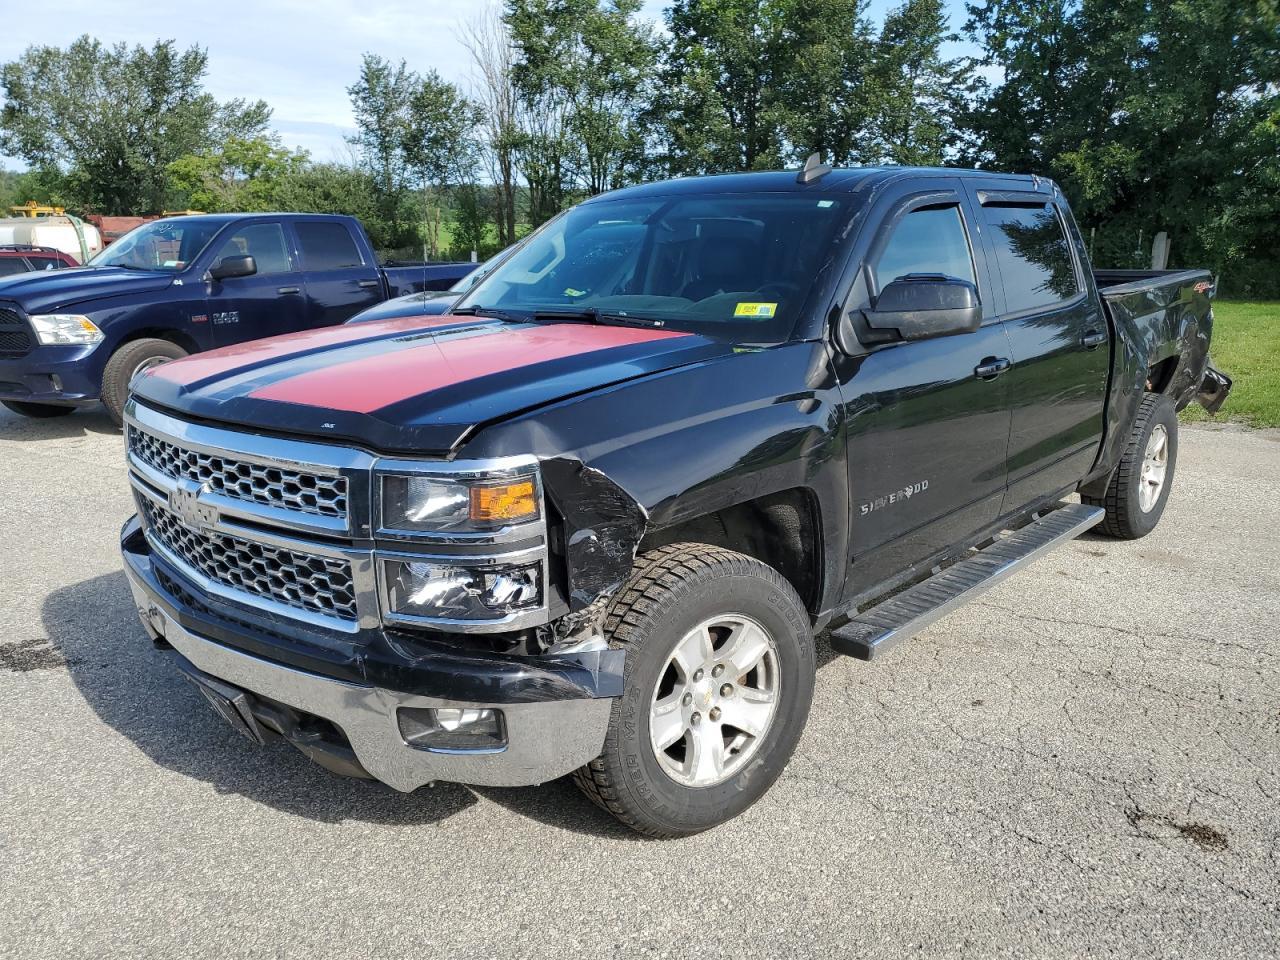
[403, 278]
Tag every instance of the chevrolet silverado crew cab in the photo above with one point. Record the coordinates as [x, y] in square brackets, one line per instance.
[181, 285]
[590, 521]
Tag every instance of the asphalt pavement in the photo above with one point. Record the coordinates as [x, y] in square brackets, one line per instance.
[1085, 762]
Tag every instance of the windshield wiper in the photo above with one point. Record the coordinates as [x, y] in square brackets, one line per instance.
[595, 315]
[491, 312]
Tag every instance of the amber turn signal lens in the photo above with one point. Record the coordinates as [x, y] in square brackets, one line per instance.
[504, 502]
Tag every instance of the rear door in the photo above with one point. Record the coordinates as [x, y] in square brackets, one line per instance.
[340, 282]
[926, 431]
[1058, 338]
[269, 302]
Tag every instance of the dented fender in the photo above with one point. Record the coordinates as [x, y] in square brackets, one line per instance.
[603, 527]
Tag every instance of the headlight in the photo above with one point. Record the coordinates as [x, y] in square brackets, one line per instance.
[452, 592]
[63, 328]
[437, 504]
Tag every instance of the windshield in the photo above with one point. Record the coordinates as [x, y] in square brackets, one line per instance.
[730, 266]
[165, 245]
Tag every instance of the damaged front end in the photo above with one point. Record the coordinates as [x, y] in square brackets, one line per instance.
[445, 616]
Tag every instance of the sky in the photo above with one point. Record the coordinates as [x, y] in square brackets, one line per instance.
[297, 55]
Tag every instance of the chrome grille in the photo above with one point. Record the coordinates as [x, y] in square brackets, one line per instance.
[15, 336]
[311, 493]
[319, 584]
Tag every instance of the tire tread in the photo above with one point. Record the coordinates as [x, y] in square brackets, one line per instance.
[658, 577]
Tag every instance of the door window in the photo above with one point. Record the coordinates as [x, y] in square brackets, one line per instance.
[12, 265]
[262, 241]
[327, 246]
[1034, 255]
[932, 240]
[45, 263]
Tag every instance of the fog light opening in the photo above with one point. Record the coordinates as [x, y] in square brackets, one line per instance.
[453, 729]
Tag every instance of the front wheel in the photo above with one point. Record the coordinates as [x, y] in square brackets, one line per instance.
[38, 411]
[1139, 488]
[719, 678]
[130, 360]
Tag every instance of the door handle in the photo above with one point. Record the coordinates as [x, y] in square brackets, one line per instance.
[991, 367]
[368, 283]
[1094, 339]
[288, 289]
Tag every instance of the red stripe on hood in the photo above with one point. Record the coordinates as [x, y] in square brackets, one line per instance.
[371, 383]
[214, 363]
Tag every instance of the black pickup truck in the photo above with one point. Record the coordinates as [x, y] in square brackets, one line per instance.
[591, 520]
[180, 285]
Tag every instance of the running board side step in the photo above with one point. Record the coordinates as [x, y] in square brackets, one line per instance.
[907, 613]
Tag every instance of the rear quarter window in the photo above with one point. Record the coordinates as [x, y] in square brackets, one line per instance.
[327, 246]
[11, 265]
[1033, 255]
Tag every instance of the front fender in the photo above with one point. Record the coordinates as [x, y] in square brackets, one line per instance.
[661, 450]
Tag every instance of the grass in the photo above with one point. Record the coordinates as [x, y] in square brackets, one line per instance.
[1246, 347]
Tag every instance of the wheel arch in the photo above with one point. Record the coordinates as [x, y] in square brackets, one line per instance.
[782, 529]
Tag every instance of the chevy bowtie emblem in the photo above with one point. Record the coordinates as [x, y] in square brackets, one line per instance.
[186, 504]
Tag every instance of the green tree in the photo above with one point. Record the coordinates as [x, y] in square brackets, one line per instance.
[753, 84]
[241, 175]
[473, 204]
[822, 94]
[381, 100]
[105, 123]
[488, 40]
[582, 70]
[1154, 115]
[720, 67]
[918, 95]
[438, 144]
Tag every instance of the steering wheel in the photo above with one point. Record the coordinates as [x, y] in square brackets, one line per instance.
[779, 291]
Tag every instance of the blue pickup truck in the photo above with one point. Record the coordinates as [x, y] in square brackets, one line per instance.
[181, 285]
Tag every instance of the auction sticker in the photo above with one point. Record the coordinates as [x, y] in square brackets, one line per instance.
[758, 310]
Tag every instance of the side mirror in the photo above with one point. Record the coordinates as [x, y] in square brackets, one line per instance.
[921, 306]
[230, 267]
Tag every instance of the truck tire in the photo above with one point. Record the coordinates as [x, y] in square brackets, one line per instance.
[124, 363]
[1139, 486]
[37, 411]
[713, 639]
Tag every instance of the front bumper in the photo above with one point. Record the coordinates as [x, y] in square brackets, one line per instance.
[545, 737]
[69, 375]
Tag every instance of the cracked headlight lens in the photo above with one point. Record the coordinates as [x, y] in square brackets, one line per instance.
[454, 592]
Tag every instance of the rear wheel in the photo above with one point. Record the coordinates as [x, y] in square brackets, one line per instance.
[719, 677]
[1139, 488]
[38, 411]
[126, 363]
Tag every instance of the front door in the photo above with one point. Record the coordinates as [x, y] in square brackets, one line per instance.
[1059, 342]
[269, 302]
[927, 421]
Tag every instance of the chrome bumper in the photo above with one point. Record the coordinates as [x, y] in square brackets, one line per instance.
[545, 740]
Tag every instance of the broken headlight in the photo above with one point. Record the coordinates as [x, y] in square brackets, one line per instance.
[423, 589]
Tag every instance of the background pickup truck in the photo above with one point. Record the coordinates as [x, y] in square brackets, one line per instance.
[181, 285]
[590, 520]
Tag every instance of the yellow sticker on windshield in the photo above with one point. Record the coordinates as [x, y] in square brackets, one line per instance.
[758, 310]
[570, 292]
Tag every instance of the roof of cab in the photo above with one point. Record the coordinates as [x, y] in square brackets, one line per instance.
[784, 181]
